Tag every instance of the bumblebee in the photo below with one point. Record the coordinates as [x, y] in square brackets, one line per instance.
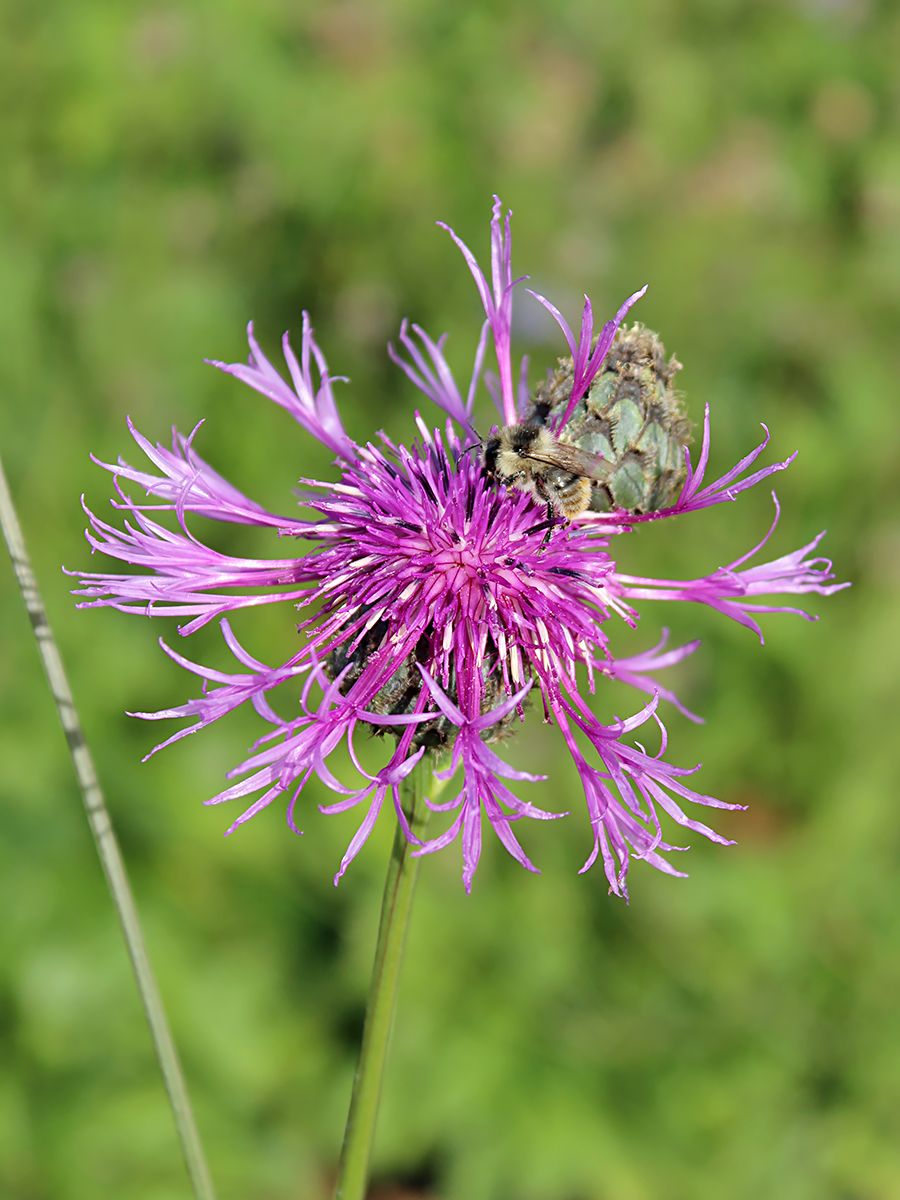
[530, 458]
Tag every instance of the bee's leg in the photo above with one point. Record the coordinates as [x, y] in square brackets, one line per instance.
[548, 525]
[544, 493]
[551, 522]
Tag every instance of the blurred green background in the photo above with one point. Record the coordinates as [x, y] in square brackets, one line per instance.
[171, 171]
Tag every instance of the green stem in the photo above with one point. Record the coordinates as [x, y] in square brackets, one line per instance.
[359, 1134]
[108, 850]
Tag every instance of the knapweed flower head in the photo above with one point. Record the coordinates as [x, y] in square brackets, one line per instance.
[435, 603]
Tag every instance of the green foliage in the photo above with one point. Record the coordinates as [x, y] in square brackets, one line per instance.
[170, 172]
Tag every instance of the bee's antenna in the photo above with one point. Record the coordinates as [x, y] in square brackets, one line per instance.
[476, 445]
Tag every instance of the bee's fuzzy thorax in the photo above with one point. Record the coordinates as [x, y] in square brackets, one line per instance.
[515, 445]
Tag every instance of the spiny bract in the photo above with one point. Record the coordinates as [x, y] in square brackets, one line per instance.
[631, 416]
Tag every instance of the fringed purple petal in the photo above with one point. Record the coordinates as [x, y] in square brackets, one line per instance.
[186, 574]
[638, 670]
[432, 374]
[235, 689]
[586, 362]
[311, 405]
[482, 793]
[496, 298]
[732, 591]
[186, 483]
[694, 497]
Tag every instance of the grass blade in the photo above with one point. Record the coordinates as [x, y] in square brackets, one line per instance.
[108, 849]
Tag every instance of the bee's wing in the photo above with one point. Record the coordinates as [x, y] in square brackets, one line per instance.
[575, 461]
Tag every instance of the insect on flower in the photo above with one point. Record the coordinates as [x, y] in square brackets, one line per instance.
[623, 446]
[530, 458]
[432, 603]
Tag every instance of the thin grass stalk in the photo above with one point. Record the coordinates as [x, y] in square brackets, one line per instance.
[108, 850]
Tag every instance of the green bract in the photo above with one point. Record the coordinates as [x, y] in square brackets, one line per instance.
[631, 416]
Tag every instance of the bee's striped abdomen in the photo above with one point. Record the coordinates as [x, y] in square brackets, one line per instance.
[574, 497]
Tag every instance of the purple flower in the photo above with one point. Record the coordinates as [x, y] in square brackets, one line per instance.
[434, 604]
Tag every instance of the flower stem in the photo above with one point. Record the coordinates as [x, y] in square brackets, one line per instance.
[396, 903]
[108, 851]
